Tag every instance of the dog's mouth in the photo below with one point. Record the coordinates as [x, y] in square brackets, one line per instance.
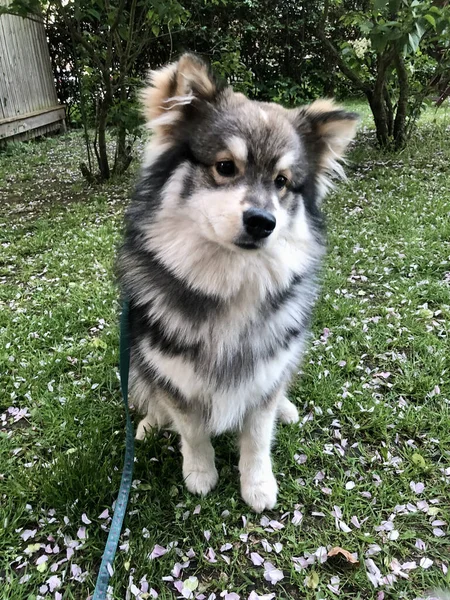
[247, 245]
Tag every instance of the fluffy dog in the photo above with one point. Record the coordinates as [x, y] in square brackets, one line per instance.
[224, 238]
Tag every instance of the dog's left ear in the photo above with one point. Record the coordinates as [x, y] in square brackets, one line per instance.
[174, 88]
[327, 130]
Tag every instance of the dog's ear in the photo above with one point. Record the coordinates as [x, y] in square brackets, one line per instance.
[327, 130]
[175, 87]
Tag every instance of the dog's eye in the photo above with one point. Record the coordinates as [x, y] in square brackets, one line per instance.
[226, 168]
[280, 182]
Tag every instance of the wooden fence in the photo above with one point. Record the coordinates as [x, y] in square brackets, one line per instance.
[28, 102]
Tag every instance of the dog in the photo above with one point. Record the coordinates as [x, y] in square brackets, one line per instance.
[223, 242]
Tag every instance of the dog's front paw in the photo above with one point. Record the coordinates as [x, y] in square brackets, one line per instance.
[287, 412]
[259, 494]
[200, 482]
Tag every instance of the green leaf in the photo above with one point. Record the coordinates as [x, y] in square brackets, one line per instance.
[191, 583]
[380, 4]
[420, 28]
[365, 27]
[155, 30]
[418, 460]
[312, 580]
[94, 13]
[42, 567]
[413, 41]
[431, 20]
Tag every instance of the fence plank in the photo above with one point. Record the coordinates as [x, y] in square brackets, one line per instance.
[27, 88]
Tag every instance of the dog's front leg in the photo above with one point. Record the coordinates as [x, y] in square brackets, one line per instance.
[199, 470]
[258, 485]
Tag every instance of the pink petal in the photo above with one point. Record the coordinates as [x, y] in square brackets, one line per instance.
[437, 532]
[420, 544]
[27, 534]
[418, 488]
[157, 552]
[300, 458]
[297, 518]
[211, 556]
[85, 519]
[344, 527]
[321, 554]
[426, 563]
[256, 559]
[81, 533]
[423, 506]
[278, 547]
[54, 582]
[104, 514]
[354, 521]
[177, 568]
[207, 535]
[226, 547]
[272, 574]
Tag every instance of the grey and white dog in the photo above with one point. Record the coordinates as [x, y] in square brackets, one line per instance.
[224, 239]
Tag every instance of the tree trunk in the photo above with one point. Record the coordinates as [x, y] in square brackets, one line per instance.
[376, 97]
[389, 110]
[122, 158]
[380, 117]
[402, 106]
[102, 157]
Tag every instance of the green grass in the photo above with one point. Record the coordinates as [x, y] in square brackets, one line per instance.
[374, 392]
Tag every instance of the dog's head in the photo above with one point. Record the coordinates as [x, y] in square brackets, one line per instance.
[243, 173]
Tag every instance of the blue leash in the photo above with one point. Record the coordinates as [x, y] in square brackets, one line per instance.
[120, 509]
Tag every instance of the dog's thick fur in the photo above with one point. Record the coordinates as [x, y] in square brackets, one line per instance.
[218, 320]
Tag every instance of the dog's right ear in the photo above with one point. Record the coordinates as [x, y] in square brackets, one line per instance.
[174, 87]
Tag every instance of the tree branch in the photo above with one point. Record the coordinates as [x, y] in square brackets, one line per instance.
[343, 66]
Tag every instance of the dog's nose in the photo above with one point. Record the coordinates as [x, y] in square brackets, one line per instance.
[259, 223]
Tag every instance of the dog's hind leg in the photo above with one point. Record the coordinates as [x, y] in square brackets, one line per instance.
[156, 418]
[286, 411]
[199, 470]
[146, 399]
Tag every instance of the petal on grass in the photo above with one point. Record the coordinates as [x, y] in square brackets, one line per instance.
[157, 552]
[272, 574]
[425, 562]
[256, 559]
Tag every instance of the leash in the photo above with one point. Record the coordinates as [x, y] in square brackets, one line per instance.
[120, 509]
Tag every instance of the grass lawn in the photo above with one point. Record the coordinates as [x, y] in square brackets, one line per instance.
[367, 469]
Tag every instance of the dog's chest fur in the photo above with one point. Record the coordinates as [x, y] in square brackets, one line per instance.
[220, 356]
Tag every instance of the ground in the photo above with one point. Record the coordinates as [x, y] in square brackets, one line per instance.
[366, 469]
